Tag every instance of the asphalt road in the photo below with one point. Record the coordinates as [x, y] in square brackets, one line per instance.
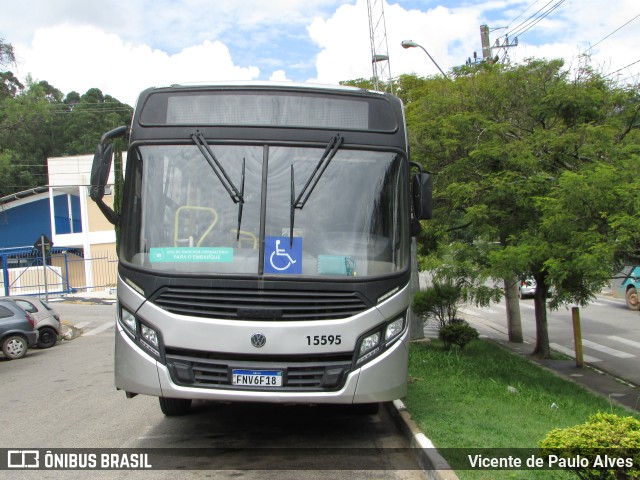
[610, 332]
[64, 397]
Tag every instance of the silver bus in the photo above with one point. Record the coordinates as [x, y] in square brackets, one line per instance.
[264, 245]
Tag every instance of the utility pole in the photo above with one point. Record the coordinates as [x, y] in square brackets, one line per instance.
[487, 48]
[486, 45]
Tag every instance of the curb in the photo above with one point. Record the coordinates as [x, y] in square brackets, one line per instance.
[432, 463]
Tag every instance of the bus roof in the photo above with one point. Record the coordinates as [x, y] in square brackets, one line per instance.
[267, 85]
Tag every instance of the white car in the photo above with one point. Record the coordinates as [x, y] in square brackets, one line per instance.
[46, 318]
[527, 288]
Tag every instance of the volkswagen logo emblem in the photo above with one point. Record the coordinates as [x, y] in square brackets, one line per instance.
[258, 340]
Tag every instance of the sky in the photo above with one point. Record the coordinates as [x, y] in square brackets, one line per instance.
[125, 46]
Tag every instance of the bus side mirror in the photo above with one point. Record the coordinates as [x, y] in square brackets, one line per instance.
[100, 172]
[422, 196]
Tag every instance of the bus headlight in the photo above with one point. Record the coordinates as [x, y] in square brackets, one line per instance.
[149, 340]
[128, 319]
[394, 329]
[143, 335]
[149, 335]
[369, 343]
[375, 342]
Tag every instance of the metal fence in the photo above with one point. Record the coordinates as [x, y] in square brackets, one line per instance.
[23, 272]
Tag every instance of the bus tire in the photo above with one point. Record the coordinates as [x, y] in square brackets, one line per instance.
[173, 407]
[632, 299]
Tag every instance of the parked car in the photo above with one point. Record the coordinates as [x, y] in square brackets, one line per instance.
[46, 318]
[17, 330]
[628, 285]
[527, 288]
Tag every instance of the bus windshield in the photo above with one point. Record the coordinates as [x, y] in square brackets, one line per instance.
[181, 218]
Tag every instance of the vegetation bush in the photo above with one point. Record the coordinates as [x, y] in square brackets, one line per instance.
[605, 447]
[457, 332]
[439, 302]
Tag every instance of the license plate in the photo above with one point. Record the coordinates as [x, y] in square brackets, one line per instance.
[257, 378]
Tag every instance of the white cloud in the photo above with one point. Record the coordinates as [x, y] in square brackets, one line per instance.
[344, 40]
[74, 45]
[452, 34]
[279, 76]
[449, 35]
[78, 58]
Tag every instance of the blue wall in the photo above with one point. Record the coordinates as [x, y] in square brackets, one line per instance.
[23, 225]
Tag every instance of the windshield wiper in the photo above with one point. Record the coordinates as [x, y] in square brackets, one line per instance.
[299, 202]
[237, 196]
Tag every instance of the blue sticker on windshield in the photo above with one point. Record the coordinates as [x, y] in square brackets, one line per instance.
[282, 257]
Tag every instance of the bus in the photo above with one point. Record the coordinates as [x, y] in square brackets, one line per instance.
[264, 245]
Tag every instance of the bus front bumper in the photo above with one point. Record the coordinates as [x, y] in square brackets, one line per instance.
[377, 381]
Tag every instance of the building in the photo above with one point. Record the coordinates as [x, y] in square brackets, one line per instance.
[81, 255]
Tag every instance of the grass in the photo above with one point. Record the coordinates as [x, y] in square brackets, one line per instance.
[466, 399]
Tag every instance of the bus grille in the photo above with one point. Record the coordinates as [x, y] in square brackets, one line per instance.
[190, 369]
[240, 304]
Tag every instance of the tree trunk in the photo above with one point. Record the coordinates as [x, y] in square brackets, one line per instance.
[542, 331]
[514, 323]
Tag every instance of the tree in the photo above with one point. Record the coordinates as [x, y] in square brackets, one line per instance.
[7, 55]
[40, 122]
[87, 117]
[10, 86]
[26, 139]
[521, 155]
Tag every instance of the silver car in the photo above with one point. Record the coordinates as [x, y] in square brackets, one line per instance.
[46, 318]
[527, 288]
[17, 330]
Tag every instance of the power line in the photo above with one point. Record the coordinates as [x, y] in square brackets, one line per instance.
[620, 69]
[516, 28]
[617, 29]
[634, 76]
[523, 12]
[533, 20]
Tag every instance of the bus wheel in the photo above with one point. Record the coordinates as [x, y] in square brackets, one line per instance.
[632, 299]
[173, 407]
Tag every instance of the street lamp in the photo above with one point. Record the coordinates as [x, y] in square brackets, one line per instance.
[412, 44]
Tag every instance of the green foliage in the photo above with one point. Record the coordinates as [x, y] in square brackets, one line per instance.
[457, 332]
[38, 122]
[439, 302]
[9, 85]
[463, 263]
[604, 436]
[7, 55]
[535, 169]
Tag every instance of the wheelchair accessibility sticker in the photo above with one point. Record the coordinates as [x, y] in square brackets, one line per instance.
[281, 257]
